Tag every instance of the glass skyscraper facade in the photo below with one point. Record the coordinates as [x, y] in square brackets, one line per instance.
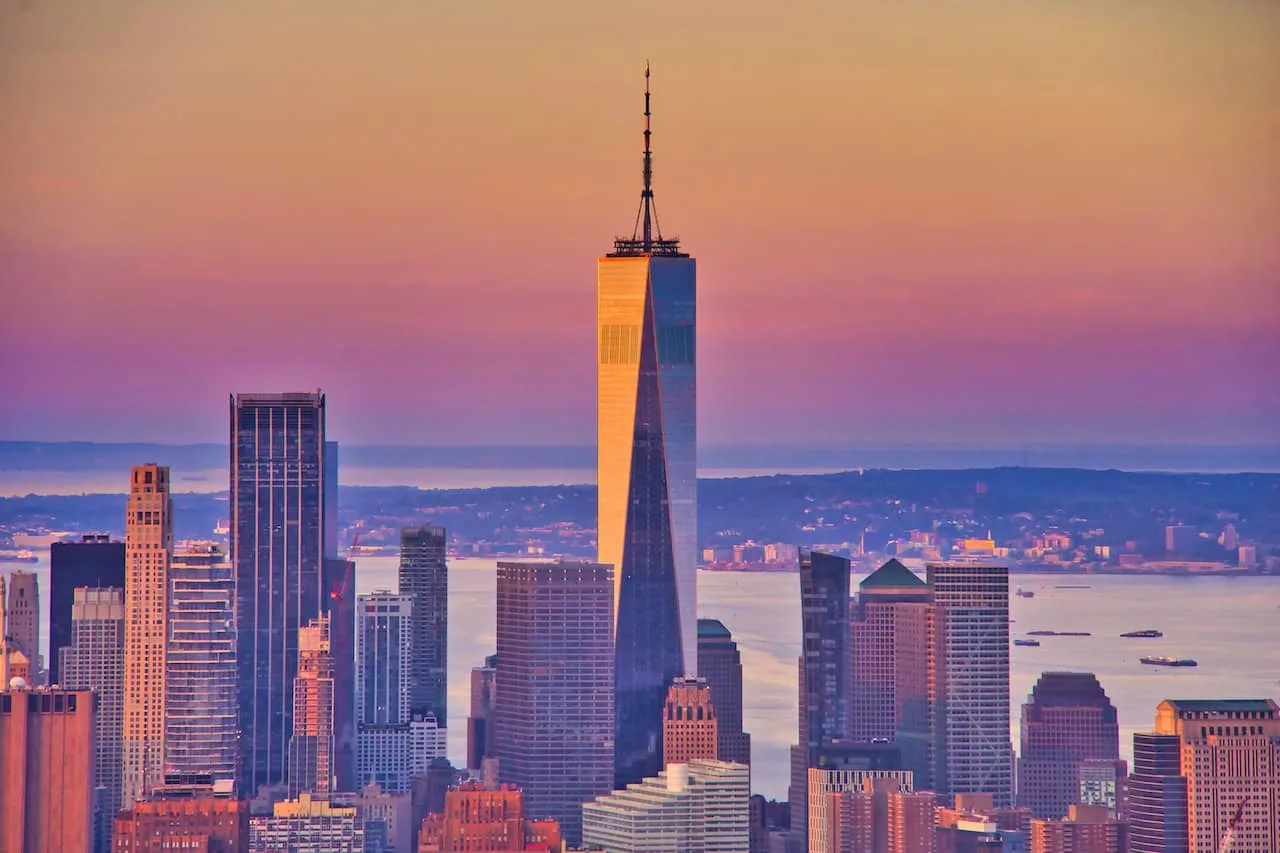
[277, 534]
[200, 665]
[91, 561]
[424, 576]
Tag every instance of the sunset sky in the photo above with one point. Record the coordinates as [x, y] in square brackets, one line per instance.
[938, 222]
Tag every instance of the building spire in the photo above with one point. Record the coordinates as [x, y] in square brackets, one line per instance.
[646, 195]
[646, 237]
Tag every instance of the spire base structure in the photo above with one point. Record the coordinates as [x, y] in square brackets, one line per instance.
[643, 240]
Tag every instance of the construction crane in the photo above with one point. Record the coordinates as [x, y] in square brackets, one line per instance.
[1230, 834]
[339, 594]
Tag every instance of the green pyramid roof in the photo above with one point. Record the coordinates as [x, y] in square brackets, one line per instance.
[892, 575]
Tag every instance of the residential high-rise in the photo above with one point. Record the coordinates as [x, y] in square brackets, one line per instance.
[311, 762]
[647, 471]
[480, 722]
[22, 619]
[689, 725]
[92, 561]
[554, 718]
[1085, 829]
[1230, 755]
[339, 606]
[477, 818]
[1066, 720]
[824, 669]
[424, 577]
[46, 775]
[1157, 795]
[721, 665]
[148, 551]
[973, 609]
[703, 805]
[842, 803]
[384, 636]
[200, 717]
[198, 815]
[278, 510]
[95, 661]
[882, 816]
[894, 680]
[307, 825]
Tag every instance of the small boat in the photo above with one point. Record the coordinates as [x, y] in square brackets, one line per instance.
[1072, 586]
[1149, 632]
[1165, 661]
[1059, 634]
[1021, 642]
[1025, 593]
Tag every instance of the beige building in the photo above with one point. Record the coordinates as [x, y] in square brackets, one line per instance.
[311, 747]
[1230, 754]
[46, 771]
[689, 726]
[148, 552]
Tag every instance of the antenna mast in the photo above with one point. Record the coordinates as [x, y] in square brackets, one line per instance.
[646, 195]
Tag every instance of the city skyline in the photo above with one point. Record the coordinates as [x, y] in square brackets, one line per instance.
[1085, 203]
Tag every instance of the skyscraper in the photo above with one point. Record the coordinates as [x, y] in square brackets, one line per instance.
[200, 715]
[148, 551]
[46, 777]
[424, 577]
[95, 661]
[1066, 720]
[553, 724]
[720, 663]
[824, 668]
[689, 727]
[384, 631]
[340, 607]
[92, 561]
[22, 619]
[480, 721]
[893, 632]
[1157, 795]
[277, 547]
[647, 470]
[973, 605]
[311, 747]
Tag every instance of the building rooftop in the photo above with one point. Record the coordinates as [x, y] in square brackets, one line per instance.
[712, 628]
[891, 575]
[1220, 705]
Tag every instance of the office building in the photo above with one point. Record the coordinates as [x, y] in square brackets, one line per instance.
[1066, 720]
[894, 681]
[278, 511]
[22, 619]
[148, 552]
[387, 819]
[1157, 795]
[200, 665]
[340, 607]
[554, 717]
[1103, 782]
[311, 765]
[1085, 829]
[702, 805]
[477, 818]
[92, 561]
[95, 661]
[1230, 755]
[196, 814]
[880, 816]
[720, 663]
[424, 577]
[689, 727]
[824, 669]
[305, 825]
[384, 636]
[480, 721]
[331, 500]
[973, 609]
[829, 809]
[647, 471]
[46, 775]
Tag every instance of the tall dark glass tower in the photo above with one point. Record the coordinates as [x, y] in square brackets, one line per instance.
[424, 577]
[647, 470]
[277, 541]
[92, 561]
[721, 665]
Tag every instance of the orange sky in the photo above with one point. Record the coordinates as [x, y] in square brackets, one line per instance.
[1052, 222]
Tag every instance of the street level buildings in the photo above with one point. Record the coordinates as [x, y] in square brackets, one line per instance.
[195, 814]
[553, 716]
[1066, 720]
[1085, 829]
[278, 507]
[424, 577]
[95, 661]
[479, 818]
[148, 552]
[306, 825]
[646, 385]
[200, 722]
[92, 561]
[46, 776]
[720, 663]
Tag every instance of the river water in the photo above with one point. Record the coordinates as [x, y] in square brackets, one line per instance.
[1227, 624]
